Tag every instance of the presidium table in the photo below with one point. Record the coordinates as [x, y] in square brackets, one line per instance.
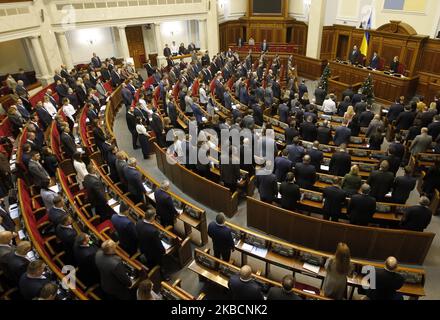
[387, 87]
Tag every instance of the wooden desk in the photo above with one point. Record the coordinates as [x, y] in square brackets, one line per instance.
[365, 242]
[386, 87]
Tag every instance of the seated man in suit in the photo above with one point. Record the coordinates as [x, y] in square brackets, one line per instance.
[290, 193]
[115, 281]
[381, 181]
[388, 281]
[375, 61]
[354, 56]
[395, 65]
[417, 218]
[134, 181]
[149, 242]
[126, 230]
[342, 134]
[164, 205]
[305, 173]
[84, 254]
[334, 200]
[340, 163]
[243, 287]
[17, 262]
[266, 183]
[362, 207]
[33, 280]
[286, 292]
[221, 236]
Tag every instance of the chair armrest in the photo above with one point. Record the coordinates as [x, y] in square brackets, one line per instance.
[177, 283]
[49, 246]
[201, 296]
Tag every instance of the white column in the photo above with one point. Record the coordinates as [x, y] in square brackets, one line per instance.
[159, 46]
[316, 23]
[123, 42]
[202, 34]
[40, 60]
[212, 26]
[31, 54]
[65, 51]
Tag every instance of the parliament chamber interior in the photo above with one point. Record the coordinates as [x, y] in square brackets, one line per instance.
[219, 150]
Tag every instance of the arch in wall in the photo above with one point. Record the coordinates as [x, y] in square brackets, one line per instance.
[398, 27]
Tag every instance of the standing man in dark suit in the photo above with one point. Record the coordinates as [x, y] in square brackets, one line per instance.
[417, 218]
[164, 205]
[126, 230]
[388, 282]
[405, 119]
[17, 262]
[403, 186]
[354, 56]
[149, 242]
[222, 240]
[115, 281]
[334, 200]
[33, 280]
[166, 51]
[381, 181]
[362, 207]
[69, 145]
[320, 95]
[84, 254]
[96, 194]
[96, 61]
[157, 127]
[340, 163]
[116, 78]
[308, 130]
[66, 234]
[395, 64]
[305, 173]
[131, 124]
[243, 287]
[282, 166]
[375, 61]
[302, 88]
[264, 46]
[396, 109]
[266, 183]
[324, 134]
[342, 134]
[57, 213]
[290, 193]
[230, 173]
[134, 181]
[316, 155]
[149, 67]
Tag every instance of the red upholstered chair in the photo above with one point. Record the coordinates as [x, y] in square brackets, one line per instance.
[108, 86]
[148, 82]
[401, 69]
[195, 88]
[212, 86]
[176, 91]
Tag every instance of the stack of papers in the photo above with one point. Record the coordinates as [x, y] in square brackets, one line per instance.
[261, 252]
[117, 209]
[311, 267]
[147, 189]
[14, 213]
[31, 256]
[87, 120]
[21, 234]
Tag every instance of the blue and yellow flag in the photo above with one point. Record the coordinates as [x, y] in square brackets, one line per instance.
[366, 39]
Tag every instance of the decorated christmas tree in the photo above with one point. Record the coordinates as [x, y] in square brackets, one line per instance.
[368, 89]
[324, 78]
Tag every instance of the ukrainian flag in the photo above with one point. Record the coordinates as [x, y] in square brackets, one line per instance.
[366, 39]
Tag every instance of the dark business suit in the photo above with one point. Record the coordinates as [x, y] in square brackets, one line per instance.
[222, 240]
[375, 62]
[342, 135]
[340, 164]
[30, 288]
[16, 267]
[387, 284]
[282, 167]
[97, 196]
[67, 236]
[165, 207]
[126, 232]
[320, 95]
[394, 111]
[354, 56]
[324, 135]
[416, 218]
[361, 209]
[308, 131]
[317, 157]
[230, 174]
[85, 260]
[114, 279]
[150, 244]
[405, 120]
[335, 199]
[56, 215]
[290, 195]
[267, 187]
[135, 184]
[68, 144]
[305, 175]
[241, 290]
[380, 183]
[279, 294]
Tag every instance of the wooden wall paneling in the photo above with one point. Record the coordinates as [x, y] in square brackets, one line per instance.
[136, 47]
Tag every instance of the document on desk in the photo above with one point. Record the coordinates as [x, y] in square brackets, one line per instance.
[117, 209]
[147, 189]
[111, 202]
[247, 247]
[165, 245]
[14, 213]
[311, 267]
[21, 234]
[325, 168]
[261, 252]
[80, 150]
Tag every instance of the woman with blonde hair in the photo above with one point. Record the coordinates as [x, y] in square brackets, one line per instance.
[352, 181]
[145, 291]
[337, 269]
[349, 114]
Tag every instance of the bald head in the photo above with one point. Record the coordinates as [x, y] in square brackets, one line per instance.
[424, 201]
[245, 273]
[391, 264]
[307, 159]
[5, 237]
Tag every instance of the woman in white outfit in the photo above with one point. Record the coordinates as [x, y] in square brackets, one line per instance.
[80, 168]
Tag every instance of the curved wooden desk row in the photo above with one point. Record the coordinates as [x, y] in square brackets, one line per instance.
[365, 242]
[191, 216]
[175, 292]
[295, 258]
[219, 272]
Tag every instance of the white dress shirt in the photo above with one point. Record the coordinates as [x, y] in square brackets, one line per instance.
[50, 109]
[81, 171]
[203, 96]
[140, 129]
[69, 111]
[329, 106]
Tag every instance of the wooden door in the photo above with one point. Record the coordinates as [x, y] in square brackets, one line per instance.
[136, 46]
[342, 51]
